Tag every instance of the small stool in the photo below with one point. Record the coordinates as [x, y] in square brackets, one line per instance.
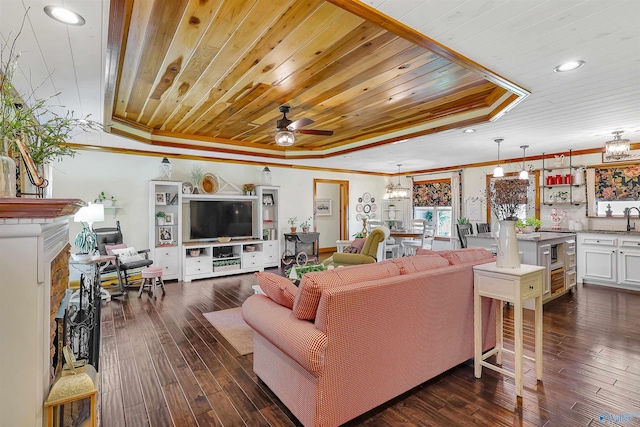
[152, 277]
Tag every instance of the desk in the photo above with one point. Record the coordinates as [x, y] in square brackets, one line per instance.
[514, 285]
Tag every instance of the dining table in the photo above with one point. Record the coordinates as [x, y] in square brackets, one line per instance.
[405, 234]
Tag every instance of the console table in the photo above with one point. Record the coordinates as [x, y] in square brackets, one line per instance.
[514, 285]
[303, 242]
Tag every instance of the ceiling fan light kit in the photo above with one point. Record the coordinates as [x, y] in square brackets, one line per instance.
[285, 138]
[617, 148]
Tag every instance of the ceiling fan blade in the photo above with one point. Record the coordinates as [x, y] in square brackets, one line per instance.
[299, 123]
[314, 132]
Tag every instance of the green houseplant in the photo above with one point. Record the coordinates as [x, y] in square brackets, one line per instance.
[161, 216]
[306, 225]
[86, 242]
[292, 223]
[44, 129]
[104, 199]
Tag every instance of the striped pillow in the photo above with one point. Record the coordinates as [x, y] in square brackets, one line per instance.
[279, 289]
[308, 298]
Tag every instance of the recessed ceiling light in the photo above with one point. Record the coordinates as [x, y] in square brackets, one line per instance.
[63, 15]
[468, 131]
[568, 66]
[346, 157]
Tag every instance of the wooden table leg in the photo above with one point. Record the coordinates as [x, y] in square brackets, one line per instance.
[538, 339]
[477, 331]
[517, 337]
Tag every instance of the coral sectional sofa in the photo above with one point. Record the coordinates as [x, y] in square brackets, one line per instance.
[352, 338]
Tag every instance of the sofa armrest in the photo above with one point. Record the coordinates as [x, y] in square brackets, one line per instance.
[299, 339]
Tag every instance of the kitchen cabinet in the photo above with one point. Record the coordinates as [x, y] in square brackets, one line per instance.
[609, 259]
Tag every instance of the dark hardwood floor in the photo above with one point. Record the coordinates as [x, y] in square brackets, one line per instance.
[163, 364]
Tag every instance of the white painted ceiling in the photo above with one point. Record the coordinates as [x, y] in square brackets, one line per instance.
[522, 40]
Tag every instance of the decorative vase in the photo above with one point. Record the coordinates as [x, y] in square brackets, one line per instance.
[7, 171]
[508, 256]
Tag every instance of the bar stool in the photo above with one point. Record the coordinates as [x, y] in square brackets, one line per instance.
[152, 277]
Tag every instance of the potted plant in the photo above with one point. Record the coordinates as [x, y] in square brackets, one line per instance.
[161, 216]
[520, 225]
[107, 201]
[463, 220]
[86, 242]
[248, 189]
[292, 223]
[306, 225]
[532, 224]
[40, 127]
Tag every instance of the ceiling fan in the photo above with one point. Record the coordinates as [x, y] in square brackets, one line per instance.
[286, 128]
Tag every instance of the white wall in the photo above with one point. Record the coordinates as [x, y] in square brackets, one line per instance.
[329, 226]
[127, 176]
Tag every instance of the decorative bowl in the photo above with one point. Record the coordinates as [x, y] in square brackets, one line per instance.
[250, 248]
[209, 184]
[194, 252]
[224, 239]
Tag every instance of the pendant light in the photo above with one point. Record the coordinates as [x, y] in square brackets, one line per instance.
[617, 149]
[498, 172]
[397, 191]
[523, 173]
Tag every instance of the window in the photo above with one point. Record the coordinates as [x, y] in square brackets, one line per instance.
[616, 189]
[432, 202]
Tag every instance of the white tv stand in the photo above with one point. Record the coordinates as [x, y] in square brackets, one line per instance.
[209, 263]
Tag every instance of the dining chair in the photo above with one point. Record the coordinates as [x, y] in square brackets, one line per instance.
[464, 230]
[409, 246]
[483, 227]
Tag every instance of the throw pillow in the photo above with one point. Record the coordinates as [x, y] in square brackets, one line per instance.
[127, 255]
[312, 285]
[414, 264]
[355, 247]
[109, 248]
[279, 289]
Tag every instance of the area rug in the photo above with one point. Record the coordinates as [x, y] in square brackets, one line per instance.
[233, 327]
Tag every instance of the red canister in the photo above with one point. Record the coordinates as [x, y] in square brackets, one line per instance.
[550, 180]
[558, 179]
[567, 178]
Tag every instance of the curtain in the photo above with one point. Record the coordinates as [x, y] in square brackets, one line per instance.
[432, 193]
[617, 183]
[456, 203]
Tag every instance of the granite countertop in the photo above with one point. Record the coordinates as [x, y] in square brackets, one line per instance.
[566, 230]
[534, 237]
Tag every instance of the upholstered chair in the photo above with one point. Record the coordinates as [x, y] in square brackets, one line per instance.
[369, 254]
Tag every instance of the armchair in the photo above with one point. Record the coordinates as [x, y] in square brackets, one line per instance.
[110, 239]
[372, 251]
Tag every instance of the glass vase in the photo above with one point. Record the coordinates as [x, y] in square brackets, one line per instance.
[7, 171]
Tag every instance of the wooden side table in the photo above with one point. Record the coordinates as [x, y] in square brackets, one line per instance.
[514, 285]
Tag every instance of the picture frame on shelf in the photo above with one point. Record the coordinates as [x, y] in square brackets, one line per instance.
[165, 234]
[267, 199]
[168, 219]
[323, 207]
[167, 198]
[161, 199]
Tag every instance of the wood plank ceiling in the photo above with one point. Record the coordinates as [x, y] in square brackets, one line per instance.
[211, 74]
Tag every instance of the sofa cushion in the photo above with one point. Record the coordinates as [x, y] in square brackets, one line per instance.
[280, 289]
[460, 256]
[413, 264]
[308, 297]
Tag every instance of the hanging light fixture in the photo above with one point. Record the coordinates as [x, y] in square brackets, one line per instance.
[498, 172]
[285, 138]
[523, 173]
[396, 191]
[617, 148]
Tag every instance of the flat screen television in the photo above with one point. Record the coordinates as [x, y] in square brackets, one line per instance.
[210, 219]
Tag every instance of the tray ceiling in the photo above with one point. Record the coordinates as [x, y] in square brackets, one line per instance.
[212, 74]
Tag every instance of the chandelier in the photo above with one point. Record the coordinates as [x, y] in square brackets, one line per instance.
[617, 148]
[396, 191]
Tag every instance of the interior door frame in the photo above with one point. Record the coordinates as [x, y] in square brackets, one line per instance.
[343, 209]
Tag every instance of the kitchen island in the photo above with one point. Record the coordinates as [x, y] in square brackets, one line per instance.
[554, 251]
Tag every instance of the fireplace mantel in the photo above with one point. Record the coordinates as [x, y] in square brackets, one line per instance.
[30, 239]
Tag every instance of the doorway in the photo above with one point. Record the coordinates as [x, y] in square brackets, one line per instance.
[331, 200]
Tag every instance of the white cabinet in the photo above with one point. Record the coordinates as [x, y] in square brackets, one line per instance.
[165, 231]
[213, 259]
[629, 261]
[269, 226]
[609, 259]
[544, 260]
